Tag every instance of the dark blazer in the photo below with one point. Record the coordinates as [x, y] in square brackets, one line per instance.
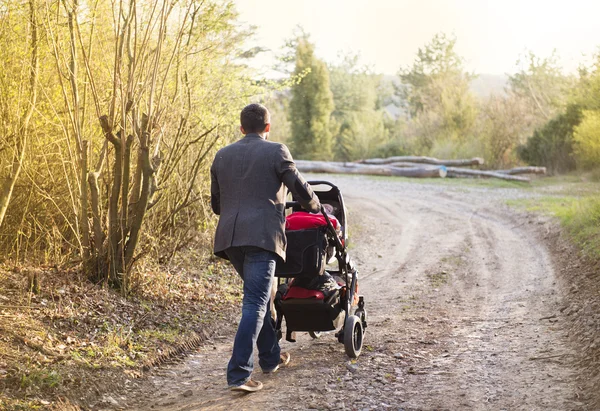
[248, 192]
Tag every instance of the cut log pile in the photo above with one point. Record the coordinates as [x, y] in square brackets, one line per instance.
[420, 167]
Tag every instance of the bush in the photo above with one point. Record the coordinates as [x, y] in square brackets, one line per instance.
[586, 139]
[552, 145]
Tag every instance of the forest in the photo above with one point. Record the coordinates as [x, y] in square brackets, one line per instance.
[112, 112]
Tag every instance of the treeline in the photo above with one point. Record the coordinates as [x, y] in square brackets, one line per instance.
[110, 113]
[343, 112]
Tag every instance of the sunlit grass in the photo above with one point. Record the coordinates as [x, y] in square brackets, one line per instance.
[582, 220]
[579, 215]
[551, 205]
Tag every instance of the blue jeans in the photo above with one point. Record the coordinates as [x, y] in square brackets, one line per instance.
[257, 268]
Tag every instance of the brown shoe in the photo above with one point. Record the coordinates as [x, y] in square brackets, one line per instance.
[284, 359]
[248, 386]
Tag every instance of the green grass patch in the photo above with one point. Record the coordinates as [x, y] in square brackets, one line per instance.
[580, 216]
[551, 205]
[582, 220]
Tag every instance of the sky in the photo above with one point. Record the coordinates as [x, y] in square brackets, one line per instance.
[491, 34]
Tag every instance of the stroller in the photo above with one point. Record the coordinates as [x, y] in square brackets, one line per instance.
[306, 307]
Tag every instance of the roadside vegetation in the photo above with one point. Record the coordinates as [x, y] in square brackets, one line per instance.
[575, 203]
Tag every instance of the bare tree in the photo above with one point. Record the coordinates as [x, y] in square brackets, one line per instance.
[17, 114]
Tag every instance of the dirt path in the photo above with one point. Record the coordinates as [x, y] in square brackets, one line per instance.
[464, 313]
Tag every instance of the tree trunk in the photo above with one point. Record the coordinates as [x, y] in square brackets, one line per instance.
[85, 222]
[463, 172]
[523, 170]
[96, 217]
[142, 205]
[114, 231]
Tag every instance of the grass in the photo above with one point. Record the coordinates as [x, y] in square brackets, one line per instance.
[576, 204]
[549, 205]
[582, 220]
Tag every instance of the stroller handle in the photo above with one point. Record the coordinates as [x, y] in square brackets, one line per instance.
[291, 204]
[294, 204]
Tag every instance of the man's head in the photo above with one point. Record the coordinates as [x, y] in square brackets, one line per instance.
[255, 118]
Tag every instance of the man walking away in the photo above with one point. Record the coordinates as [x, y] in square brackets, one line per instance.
[248, 192]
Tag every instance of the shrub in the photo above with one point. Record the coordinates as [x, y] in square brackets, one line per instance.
[586, 137]
[551, 146]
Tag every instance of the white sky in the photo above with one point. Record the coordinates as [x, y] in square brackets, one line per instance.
[387, 33]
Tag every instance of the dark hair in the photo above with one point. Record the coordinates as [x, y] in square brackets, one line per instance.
[254, 118]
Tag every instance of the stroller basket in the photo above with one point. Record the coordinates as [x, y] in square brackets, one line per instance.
[311, 314]
[306, 253]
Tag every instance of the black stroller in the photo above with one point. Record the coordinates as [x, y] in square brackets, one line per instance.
[305, 307]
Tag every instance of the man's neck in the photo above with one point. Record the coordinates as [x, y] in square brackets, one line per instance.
[261, 135]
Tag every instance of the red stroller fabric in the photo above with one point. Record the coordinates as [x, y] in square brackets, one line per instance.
[301, 220]
[299, 292]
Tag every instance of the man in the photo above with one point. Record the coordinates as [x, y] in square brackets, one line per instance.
[248, 192]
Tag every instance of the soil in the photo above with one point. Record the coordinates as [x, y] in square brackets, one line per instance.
[469, 308]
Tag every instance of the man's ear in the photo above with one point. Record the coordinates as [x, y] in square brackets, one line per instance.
[267, 127]
[242, 130]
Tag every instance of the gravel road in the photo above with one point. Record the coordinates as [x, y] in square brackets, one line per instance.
[463, 308]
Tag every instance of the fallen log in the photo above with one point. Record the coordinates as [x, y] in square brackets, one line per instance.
[523, 170]
[404, 164]
[354, 168]
[424, 160]
[465, 172]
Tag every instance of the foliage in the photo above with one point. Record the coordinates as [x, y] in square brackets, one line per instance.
[541, 82]
[311, 105]
[562, 143]
[358, 123]
[435, 92]
[171, 93]
[279, 104]
[551, 146]
[19, 74]
[586, 138]
[504, 124]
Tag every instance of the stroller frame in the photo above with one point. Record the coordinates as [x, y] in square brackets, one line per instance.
[318, 316]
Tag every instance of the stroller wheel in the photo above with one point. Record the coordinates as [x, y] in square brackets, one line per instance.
[353, 336]
[362, 314]
[315, 334]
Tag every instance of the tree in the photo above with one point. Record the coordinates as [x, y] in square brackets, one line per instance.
[311, 105]
[436, 88]
[541, 82]
[504, 124]
[357, 121]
